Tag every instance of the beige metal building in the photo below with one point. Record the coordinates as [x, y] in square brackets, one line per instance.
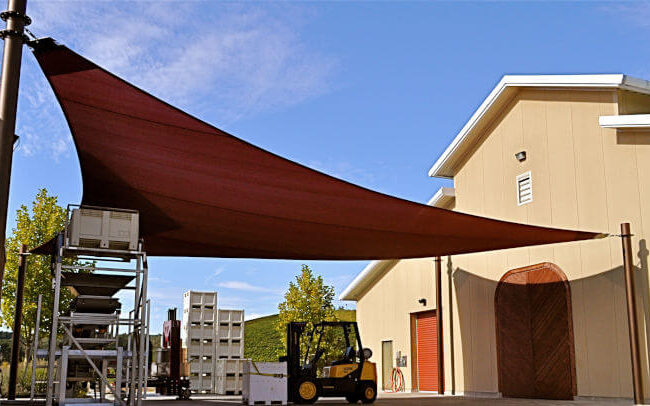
[568, 151]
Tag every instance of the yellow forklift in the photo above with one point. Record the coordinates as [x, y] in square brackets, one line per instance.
[347, 373]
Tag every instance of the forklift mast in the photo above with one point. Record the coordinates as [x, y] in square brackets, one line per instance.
[294, 332]
[172, 383]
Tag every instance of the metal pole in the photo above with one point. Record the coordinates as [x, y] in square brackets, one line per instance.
[441, 378]
[133, 387]
[63, 373]
[18, 320]
[13, 51]
[51, 356]
[34, 351]
[626, 240]
[118, 375]
[143, 327]
[146, 351]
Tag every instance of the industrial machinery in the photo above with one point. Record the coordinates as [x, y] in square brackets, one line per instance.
[167, 375]
[329, 362]
[99, 257]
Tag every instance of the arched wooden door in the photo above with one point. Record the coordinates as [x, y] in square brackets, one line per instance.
[535, 350]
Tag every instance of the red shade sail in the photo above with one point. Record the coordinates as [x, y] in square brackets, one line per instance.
[202, 192]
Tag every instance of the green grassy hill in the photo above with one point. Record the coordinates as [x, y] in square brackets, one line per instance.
[262, 341]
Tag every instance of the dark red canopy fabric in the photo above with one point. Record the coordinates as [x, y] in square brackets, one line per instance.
[202, 192]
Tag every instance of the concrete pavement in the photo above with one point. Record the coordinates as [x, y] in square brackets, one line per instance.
[406, 399]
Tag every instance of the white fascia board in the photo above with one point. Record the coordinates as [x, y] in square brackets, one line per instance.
[625, 121]
[442, 196]
[370, 274]
[619, 81]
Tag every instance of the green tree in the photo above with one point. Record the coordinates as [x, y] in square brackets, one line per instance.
[310, 300]
[33, 227]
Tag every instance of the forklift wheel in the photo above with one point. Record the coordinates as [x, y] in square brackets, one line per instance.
[307, 392]
[368, 392]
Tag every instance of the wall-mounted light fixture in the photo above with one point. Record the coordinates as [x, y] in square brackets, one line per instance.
[423, 301]
[521, 156]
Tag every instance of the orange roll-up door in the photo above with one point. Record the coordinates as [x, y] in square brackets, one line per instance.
[427, 341]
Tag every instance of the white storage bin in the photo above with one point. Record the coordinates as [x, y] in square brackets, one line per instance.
[199, 316]
[201, 365]
[237, 331]
[225, 367]
[192, 297]
[231, 316]
[230, 349]
[204, 331]
[99, 228]
[207, 314]
[224, 331]
[228, 376]
[201, 383]
[258, 388]
[228, 385]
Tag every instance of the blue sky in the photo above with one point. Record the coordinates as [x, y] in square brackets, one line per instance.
[371, 92]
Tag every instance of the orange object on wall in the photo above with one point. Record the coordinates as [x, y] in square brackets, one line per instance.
[427, 340]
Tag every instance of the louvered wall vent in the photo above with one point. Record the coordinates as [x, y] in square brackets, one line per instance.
[524, 188]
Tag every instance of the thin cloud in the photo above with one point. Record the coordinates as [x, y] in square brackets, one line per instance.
[214, 274]
[344, 170]
[632, 17]
[167, 295]
[637, 13]
[339, 280]
[252, 316]
[225, 301]
[245, 286]
[222, 62]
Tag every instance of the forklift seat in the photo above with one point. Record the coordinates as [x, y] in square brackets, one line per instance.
[348, 357]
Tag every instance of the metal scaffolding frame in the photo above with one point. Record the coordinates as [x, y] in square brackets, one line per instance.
[99, 351]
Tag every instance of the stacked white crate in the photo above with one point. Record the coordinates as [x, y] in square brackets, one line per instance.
[228, 376]
[230, 332]
[229, 351]
[200, 338]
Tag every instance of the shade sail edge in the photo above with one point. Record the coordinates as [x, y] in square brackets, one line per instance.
[211, 200]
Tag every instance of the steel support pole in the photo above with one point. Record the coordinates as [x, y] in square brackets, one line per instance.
[118, 376]
[51, 356]
[143, 327]
[36, 330]
[628, 263]
[135, 356]
[63, 374]
[13, 51]
[441, 377]
[146, 351]
[18, 320]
